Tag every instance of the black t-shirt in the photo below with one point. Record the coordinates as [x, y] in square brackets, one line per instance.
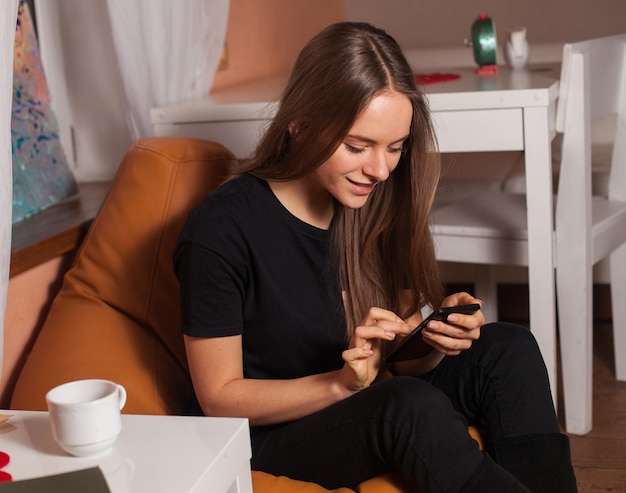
[247, 266]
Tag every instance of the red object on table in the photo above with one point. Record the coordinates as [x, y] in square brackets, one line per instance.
[487, 70]
[4, 460]
[435, 77]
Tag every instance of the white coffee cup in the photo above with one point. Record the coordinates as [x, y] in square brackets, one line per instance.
[85, 415]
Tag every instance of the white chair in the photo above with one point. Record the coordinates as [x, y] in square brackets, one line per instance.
[588, 228]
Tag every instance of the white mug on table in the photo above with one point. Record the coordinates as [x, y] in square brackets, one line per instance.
[85, 415]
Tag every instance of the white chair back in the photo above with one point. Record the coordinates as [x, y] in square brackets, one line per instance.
[490, 228]
[589, 228]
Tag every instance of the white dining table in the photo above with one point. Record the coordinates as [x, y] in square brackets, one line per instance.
[513, 110]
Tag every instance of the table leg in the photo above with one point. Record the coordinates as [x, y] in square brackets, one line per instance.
[539, 203]
[244, 480]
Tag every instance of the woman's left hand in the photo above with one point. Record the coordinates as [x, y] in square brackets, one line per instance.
[363, 358]
[459, 331]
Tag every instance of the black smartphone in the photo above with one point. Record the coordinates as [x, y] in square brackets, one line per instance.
[413, 345]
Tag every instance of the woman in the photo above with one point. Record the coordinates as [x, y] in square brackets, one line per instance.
[299, 273]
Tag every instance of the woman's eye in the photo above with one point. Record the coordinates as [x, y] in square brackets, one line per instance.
[396, 149]
[353, 149]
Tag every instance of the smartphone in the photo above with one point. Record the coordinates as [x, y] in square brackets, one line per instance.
[413, 345]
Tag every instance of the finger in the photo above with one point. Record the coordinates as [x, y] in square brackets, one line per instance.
[378, 331]
[447, 345]
[356, 354]
[381, 330]
[376, 314]
[461, 298]
[459, 321]
[450, 338]
[452, 332]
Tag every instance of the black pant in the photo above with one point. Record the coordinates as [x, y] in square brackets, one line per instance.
[419, 425]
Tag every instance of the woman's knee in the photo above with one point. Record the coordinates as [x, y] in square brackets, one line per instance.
[506, 332]
[509, 337]
[509, 353]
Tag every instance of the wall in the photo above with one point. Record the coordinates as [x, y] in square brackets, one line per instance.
[28, 301]
[263, 39]
[254, 51]
[424, 24]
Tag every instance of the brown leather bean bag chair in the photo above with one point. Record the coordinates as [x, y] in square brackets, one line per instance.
[117, 315]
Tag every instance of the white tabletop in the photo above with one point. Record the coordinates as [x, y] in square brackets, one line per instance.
[153, 453]
[535, 86]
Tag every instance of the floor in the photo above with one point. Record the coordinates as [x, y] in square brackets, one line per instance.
[599, 457]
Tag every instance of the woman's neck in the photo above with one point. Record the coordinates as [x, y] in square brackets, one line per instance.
[311, 204]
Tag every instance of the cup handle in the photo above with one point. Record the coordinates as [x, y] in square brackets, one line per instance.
[122, 395]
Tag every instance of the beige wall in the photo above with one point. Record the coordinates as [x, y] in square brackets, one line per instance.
[28, 301]
[427, 24]
[264, 38]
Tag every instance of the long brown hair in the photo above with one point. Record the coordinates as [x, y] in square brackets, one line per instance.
[385, 246]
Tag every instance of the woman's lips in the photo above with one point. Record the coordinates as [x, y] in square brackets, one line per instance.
[362, 188]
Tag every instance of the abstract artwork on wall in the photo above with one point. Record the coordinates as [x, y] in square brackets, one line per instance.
[41, 176]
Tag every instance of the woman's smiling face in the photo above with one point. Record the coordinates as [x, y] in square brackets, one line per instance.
[369, 152]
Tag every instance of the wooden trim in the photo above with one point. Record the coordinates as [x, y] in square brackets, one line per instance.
[56, 230]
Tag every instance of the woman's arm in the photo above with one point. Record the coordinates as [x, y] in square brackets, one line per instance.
[216, 366]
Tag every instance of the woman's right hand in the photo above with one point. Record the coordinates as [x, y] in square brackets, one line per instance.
[363, 358]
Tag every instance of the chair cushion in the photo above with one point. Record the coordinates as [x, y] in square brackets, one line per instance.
[266, 483]
[117, 316]
[117, 313]
[263, 482]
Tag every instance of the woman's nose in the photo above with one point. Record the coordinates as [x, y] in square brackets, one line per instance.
[378, 167]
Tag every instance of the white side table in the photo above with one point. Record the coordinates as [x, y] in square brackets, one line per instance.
[153, 453]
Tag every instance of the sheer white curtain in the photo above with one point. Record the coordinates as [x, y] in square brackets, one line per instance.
[8, 17]
[167, 52]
